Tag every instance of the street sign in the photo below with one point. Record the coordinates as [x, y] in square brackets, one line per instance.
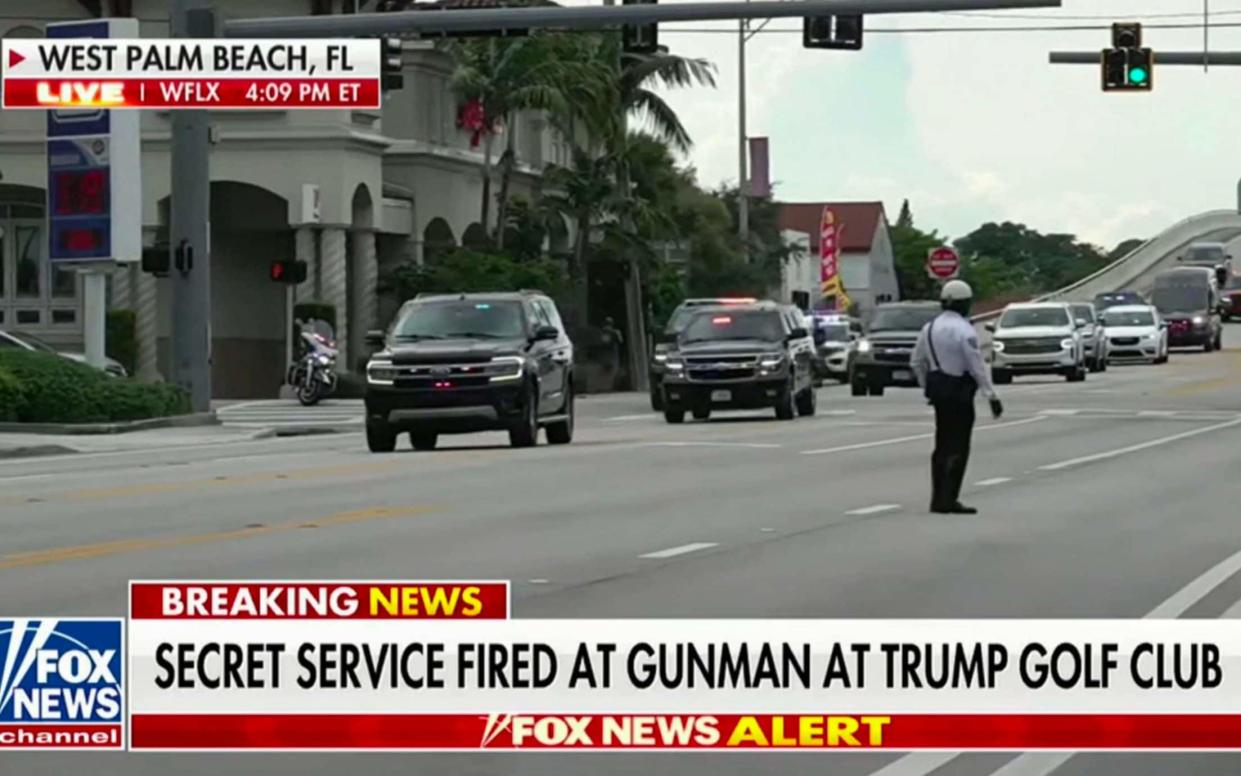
[94, 178]
[943, 263]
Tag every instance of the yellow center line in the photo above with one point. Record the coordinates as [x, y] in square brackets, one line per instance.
[101, 549]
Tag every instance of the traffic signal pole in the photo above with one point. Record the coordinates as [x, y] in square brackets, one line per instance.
[1162, 58]
[189, 230]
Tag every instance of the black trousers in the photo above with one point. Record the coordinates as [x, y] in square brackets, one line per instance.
[954, 425]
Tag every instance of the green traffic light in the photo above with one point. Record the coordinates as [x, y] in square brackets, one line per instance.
[1137, 75]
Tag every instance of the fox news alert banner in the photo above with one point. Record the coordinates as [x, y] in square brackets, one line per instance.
[170, 74]
[420, 666]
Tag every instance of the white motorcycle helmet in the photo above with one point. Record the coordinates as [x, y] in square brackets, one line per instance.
[956, 291]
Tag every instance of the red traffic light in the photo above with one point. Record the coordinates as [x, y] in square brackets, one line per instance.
[292, 272]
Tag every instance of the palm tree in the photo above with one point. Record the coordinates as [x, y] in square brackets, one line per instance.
[503, 77]
[639, 72]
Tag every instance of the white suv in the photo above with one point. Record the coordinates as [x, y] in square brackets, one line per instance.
[1037, 338]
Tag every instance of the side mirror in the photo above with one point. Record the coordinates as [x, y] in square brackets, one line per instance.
[1163, 324]
[375, 338]
[544, 333]
[990, 327]
[798, 333]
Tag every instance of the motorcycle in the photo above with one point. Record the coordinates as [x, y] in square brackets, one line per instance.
[313, 375]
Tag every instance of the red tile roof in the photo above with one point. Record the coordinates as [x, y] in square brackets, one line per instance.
[858, 220]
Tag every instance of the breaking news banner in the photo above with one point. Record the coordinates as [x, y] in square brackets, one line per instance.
[186, 73]
[61, 683]
[297, 666]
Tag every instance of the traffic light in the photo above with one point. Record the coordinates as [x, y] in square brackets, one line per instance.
[157, 259]
[393, 65]
[640, 38]
[832, 32]
[291, 272]
[1127, 66]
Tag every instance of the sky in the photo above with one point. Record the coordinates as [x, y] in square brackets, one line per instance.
[978, 127]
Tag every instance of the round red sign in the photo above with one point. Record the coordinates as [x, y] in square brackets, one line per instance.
[943, 262]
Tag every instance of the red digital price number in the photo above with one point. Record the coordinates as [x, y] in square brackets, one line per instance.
[81, 192]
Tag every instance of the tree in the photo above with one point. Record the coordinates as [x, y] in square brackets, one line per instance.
[906, 218]
[1125, 248]
[910, 247]
[1028, 260]
[495, 78]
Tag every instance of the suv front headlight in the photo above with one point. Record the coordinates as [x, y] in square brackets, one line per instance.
[674, 364]
[1067, 343]
[997, 346]
[380, 372]
[771, 361]
[505, 368]
[863, 346]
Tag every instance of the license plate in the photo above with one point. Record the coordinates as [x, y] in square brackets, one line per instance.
[721, 395]
[902, 375]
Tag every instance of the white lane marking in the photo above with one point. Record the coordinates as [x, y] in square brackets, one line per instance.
[757, 445]
[913, 438]
[538, 581]
[874, 510]
[992, 481]
[631, 417]
[1059, 413]
[839, 413]
[1043, 763]
[1051, 467]
[917, 764]
[672, 552]
[1156, 413]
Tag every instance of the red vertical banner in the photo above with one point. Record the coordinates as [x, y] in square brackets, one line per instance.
[829, 262]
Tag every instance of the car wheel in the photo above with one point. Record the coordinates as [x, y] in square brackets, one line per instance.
[859, 388]
[785, 409]
[1001, 376]
[657, 398]
[561, 432]
[1219, 340]
[308, 395]
[876, 389]
[423, 440]
[807, 402]
[526, 432]
[702, 413]
[380, 440]
[843, 378]
[1208, 346]
[1103, 363]
[674, 414]
[1094, 365]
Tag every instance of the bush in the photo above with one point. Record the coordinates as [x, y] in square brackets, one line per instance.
[11, 396]
[122, 338]
[52, 389]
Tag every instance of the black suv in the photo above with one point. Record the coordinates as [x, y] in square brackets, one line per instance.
[665, 341]
[459, 363]
[741, 357]
[883, 354]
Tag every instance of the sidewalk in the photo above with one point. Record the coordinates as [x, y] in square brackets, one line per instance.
[17, 445]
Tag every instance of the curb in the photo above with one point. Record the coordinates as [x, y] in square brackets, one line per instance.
[299, 431]
[176, 421]
[34, 451]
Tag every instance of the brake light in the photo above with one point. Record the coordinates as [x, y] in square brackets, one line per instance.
[722, 320]
[745, 300]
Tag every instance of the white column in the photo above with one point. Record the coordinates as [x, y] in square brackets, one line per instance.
[146, 296]
[304, 250]
[122, 280]
[94, 311]
[334, 275]
[362, 295]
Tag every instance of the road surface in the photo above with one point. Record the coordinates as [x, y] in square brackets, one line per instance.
[1109, 498]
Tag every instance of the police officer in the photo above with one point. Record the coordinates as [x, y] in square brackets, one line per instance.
[950, 368]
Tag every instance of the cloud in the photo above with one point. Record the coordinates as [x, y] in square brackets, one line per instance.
[977, 127]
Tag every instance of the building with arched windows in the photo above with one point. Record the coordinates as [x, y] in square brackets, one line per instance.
[392, 186]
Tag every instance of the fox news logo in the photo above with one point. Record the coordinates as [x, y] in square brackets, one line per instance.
[61, 672]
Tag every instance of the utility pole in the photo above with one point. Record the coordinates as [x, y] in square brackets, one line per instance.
[743, 193]
[190, 230]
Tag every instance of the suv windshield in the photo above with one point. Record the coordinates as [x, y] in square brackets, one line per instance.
[1035, 316]
[734, 324]
[902, 318]
[1135, 318]
[834, 332]
[461, 318]
[1180, 299]
[1205, 253]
